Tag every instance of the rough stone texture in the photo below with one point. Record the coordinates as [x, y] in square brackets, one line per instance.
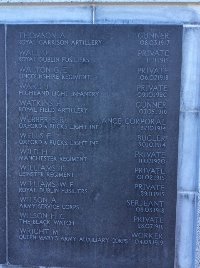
[98, 1]
[197, 251]
[51, 14]
[189, 152]
[186, 204]
[149, 14]
[190, 105]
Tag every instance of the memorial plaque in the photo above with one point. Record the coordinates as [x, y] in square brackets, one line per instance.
[2, 149]
[93, 114]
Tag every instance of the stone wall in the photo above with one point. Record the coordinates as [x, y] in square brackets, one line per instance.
[148, 12]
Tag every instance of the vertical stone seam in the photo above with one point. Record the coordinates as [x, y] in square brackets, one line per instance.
[197, 214]
[93, 14]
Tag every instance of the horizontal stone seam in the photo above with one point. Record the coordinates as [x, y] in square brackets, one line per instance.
[100, 3]
[113, 1]
[191, 25]
[189, 192]
[190, 111]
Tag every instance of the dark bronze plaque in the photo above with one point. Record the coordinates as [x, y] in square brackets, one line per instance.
[2, 149]
[92, 144]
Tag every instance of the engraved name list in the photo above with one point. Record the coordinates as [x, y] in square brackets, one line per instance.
[92, 144]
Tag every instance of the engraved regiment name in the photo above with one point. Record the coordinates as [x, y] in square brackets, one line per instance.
[92, 144]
